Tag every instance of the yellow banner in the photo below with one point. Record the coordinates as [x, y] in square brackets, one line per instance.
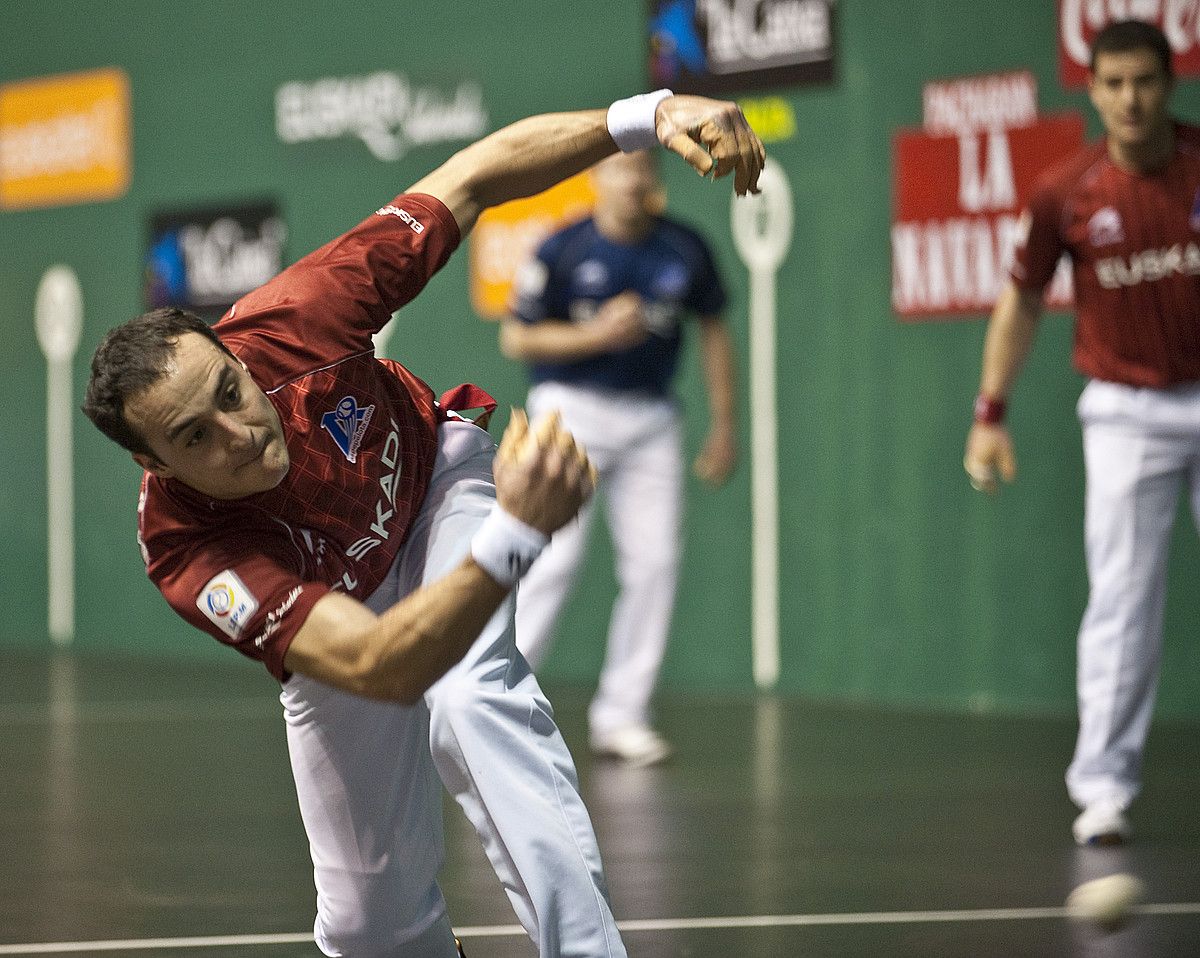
[505, 236]
[65, 139]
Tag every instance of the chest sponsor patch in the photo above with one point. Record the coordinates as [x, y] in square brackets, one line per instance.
[346, 424]
[227, 603]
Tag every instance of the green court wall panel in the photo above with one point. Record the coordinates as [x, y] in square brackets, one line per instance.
[898, 585]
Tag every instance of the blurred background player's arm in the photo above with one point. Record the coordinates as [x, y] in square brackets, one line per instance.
[1010, 333]
[533, 154]
[618, 324]
[719, 453]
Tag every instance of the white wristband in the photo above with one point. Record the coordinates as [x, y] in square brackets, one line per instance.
[631, 121]
[505, 547]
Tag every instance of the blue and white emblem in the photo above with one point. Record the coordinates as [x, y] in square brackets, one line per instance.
[346, 425]
[1194, 217]
[670, 282]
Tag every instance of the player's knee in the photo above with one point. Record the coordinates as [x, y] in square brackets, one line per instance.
[465, 712]
[372, 914]
[452, 701]
[354, 927]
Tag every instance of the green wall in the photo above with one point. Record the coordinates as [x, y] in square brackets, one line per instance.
[899, 584]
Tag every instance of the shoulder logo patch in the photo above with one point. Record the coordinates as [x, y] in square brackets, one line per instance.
[227, 603]
[346, 425]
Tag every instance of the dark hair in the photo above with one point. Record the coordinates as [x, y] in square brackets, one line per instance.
[132, 357]
[1126, 35]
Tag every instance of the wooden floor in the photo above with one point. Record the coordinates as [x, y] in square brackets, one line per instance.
[146, 809]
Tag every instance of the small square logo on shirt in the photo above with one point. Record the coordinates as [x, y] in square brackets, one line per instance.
[346, 425]
[227, 603]
[1104, 228]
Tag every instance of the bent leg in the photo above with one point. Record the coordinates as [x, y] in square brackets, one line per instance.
[371, 806]
[495, 743]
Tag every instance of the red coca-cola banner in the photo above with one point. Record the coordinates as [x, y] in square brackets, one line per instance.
[1080, 20]
[957, 211]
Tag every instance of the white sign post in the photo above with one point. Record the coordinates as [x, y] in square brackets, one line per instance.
[58, 317]
[762, 232]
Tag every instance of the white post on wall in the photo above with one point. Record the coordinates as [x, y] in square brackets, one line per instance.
[762, 232]
[58, 317]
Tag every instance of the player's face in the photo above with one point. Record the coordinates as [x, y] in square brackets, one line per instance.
[1130, 92]
[627, 186]
[209, 425]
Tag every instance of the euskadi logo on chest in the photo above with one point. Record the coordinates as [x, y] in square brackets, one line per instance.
[347, 424]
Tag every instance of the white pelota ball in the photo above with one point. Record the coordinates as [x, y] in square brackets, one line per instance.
[1108, 902]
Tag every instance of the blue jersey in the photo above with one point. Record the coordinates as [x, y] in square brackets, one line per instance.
[577, 269]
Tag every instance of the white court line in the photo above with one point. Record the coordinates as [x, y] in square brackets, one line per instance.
[650, 924]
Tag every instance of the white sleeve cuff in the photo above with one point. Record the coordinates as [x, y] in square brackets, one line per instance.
[631, 121]
[505, 547]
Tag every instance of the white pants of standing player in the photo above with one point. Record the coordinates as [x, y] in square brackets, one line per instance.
[367, 772]
[635, 443]
[1141, 446]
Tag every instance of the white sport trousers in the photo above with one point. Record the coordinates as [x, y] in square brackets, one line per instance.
[635, 443]
[1141, 447]
[367, 772]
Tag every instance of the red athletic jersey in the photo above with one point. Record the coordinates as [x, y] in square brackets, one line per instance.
[360, 431]
[1134, 244]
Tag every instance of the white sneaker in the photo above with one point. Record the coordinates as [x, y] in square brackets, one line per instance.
[636, 745]
[1102, 823]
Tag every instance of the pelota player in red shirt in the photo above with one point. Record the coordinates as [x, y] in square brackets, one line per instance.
[316, 509]
[1127, 213]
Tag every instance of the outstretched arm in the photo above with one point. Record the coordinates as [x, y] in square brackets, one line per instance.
[1009, 337]
[533, 154]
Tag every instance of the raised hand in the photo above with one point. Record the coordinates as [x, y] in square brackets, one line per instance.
[713, 136]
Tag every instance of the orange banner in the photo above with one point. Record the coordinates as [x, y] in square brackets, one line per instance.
[65, 139]
[505, 236]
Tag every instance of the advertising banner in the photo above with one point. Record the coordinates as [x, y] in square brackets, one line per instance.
[65, 139]
[506, 236]
[959, 186]
[205, 259]
[719, 46]
[1080, 20]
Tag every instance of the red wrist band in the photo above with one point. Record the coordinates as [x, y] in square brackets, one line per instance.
[988, 410]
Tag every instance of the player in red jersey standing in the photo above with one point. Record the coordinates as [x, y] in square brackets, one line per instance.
[1127, 213]
[316, 509]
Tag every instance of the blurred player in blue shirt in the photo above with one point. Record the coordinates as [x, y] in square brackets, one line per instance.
[599, 317]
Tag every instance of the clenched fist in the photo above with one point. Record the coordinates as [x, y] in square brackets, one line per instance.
[542, 477]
